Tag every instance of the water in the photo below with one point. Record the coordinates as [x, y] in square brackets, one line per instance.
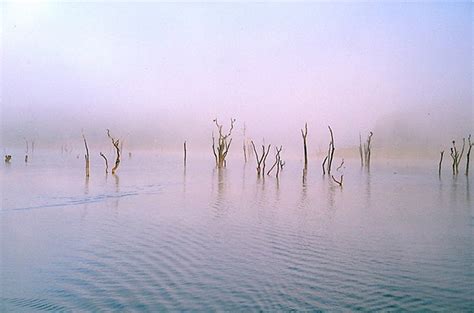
[157, 237]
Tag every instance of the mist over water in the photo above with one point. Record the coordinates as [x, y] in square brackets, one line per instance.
[159, 73]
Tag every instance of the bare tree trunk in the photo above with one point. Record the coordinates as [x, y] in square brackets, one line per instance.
[368, 150]
[116, 144]
[262, 158]
[339, 167]
[26, 151]
[277, 161]
[440, 161]
[304, 134]
[330, 151]
[265, 158]
[468, 155]
[339, 182]
[460, 155]
[324, 163]
[86, 156]
[106, 163]
[223, 144]
[244, 145]
[456, 156]
[184, 147]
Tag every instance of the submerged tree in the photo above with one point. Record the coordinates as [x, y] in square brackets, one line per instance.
[457, 156]
[339, 182]
[468, 155]
[304, 134]
[441, 154]
[26, 150]
[86, 156]
[278, 162]
[116, 144]
[261, 160]
[330, 155]
[366, 152]
[223, 143]
[244, 145]
[185, 152]
[106, 162]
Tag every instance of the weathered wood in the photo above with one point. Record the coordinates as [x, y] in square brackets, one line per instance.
[116, 144]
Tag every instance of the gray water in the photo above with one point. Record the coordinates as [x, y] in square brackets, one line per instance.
[160, 237]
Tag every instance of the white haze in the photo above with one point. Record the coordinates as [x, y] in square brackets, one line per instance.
[157, 74]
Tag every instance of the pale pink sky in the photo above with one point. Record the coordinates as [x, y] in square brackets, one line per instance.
[162, 72]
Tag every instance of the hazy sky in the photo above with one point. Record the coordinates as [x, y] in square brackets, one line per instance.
[161, 72]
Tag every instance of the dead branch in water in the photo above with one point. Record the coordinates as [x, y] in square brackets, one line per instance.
[185, 152]
[116, 144]
[468, 155]
[26, 151]
[342, 163]
[456, 156]
[106, 163]
[223, 143]
[368, 150]
[262, 158]
[330, 151]
[86, 156]
[323, 165]
[304, 134]
[277, 161]
[244, 146]
[339, 182]
[440, 161]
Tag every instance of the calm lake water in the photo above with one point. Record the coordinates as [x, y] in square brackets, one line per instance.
[157, 237]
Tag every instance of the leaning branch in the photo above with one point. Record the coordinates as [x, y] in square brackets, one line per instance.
[116, 144]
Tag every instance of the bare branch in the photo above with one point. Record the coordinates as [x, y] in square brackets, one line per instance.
[339, 182]
[106, 162]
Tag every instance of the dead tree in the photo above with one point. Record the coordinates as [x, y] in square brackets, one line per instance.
[86, 156]
[330, 155]
[440, 161]
[116, 144]
[339, 182]
[106, 163]
[8, 158]
[223, 143]
[366, 152]
[304, 134]
[339, 167]
[26, 151]
[456, 156]
[468, 155]
[244, 146]
[324, 165]
[185, 151]
[277, 162]
[261, 160]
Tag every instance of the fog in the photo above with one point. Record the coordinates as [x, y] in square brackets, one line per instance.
[157, 73]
